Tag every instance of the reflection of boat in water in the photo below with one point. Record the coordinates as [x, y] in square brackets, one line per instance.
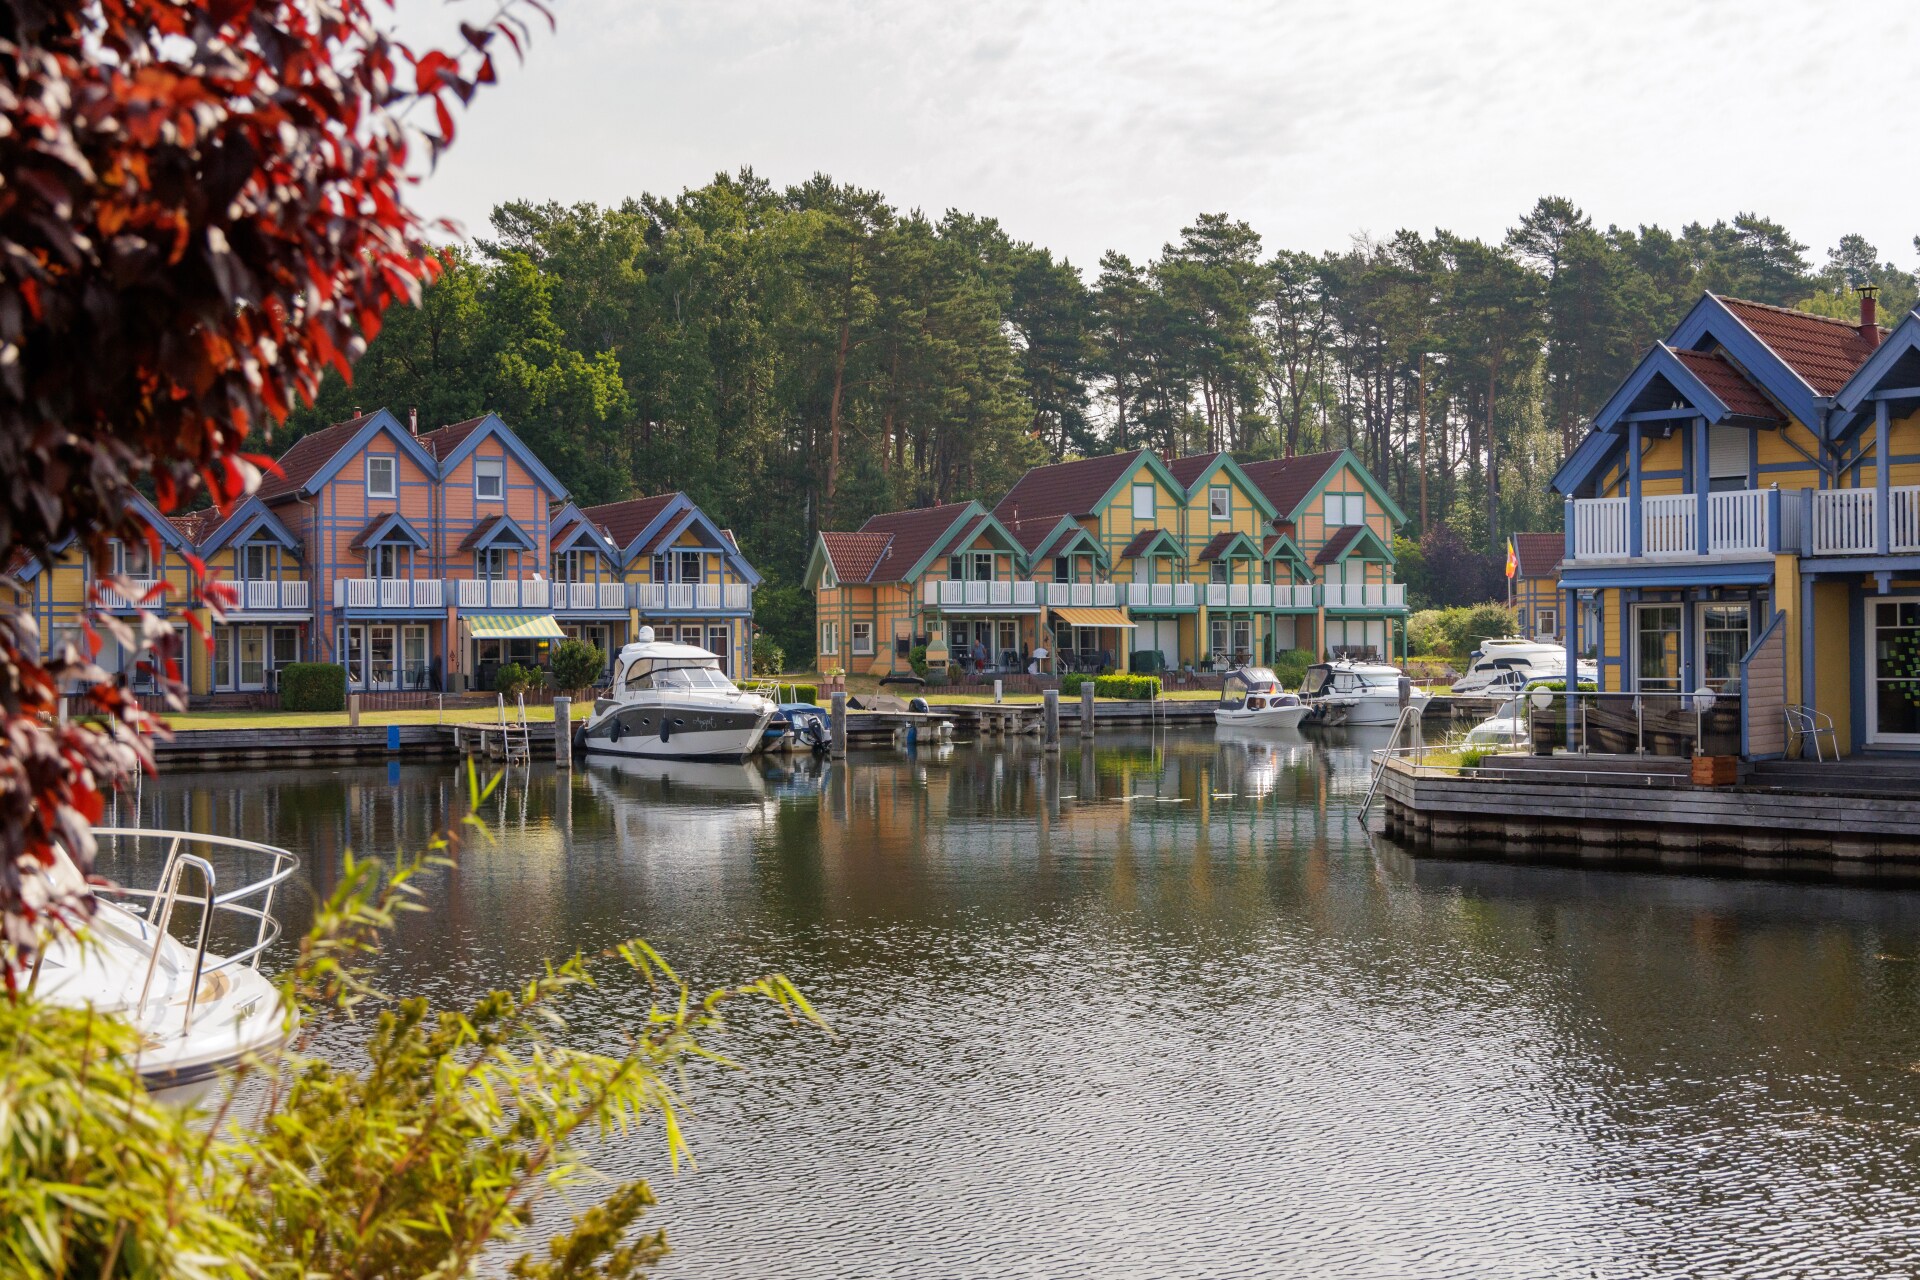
[198, 1012]
[717, 779]
[1263, 755]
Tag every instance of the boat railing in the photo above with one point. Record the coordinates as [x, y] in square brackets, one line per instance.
[251, 902]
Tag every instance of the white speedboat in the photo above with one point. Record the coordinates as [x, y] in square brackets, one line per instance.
[1251, 698]
[1357, 693]
[1510, 663]
[198, 1013]
[1506, 727]
[672, 702]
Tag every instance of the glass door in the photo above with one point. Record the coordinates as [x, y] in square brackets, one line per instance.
[1893, 671]
[1725, 632]
[413, 654]
[353, 649]
[286, 651]
[253, 658]
[1656, 648]
[380, 656]
[222, 658]
[720, 645]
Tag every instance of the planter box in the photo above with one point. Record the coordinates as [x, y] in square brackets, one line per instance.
[1715, 771]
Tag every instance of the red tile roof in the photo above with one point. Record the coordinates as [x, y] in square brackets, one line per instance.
[1065, 488]
[853, 555]
[1286, 481]
[1186, 470]
[1032, 533]
[442, 442]
[1141, 541]
[1539, 553]
[912, 534]
[1822, 350]
[623, 521]
[307, 455]
[1729, 384]
[197, 526]
[359, 542]
[1342, 539]
[1214, 549]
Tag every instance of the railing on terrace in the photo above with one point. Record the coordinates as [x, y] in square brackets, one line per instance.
[688, 597]
[1846, 521]
[1239, 595]
[141, 588]
[948, 593]
[1669, 523]
[388, 593]
[1161, 595]
[267, 594]
[1300, 596]
[503, 593]
[1376, 595]
[1738, 523]
[1082, 595]
[589, 595]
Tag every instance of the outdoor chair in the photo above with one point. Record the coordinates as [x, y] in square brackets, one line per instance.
[1807, 724]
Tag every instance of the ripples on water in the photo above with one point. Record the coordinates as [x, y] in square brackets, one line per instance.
[1163, 1010]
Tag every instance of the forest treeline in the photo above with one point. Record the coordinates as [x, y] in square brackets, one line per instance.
[803, 357]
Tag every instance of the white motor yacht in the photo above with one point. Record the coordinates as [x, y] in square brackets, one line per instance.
[198, 1012]
[1357, 693]
[1510, 663]
[672, 702]
[1251, 698]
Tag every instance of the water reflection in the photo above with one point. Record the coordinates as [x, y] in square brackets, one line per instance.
[1161, 1008]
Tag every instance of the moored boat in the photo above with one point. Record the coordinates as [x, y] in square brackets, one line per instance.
[672, 702]
[1252, 698]
[1358, 693]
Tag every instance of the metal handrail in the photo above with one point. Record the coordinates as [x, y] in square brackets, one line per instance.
[159, 901]
[178, 862]
[1380, 761]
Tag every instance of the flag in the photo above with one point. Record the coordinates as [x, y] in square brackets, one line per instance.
[1513, 559]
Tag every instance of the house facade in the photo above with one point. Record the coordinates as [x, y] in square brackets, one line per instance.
[1536, 584]
[1744, 516]
[1123, 560]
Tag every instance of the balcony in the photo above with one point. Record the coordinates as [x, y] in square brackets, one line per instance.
[1740, 524]
[141, 599]
[1082, 595]
[1295, 597]
[948, 593]
[1372, 595]
[1162, 595]
[388, 593]
[692, 597]
[503, 593]
[268, 596]
[1846, 522]
[582, 597]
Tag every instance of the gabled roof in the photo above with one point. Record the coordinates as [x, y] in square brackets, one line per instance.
[571, 529]
[1278, 546]
[854, 554]
[625, 522]
[1823, 350]
[1156, 542]
[251, 520]
[1080, 487]
[1287, 481]
[1350, 540]
[1894, 367]
[1199, 469]
[195, 526]
[914, 535]
[1230, 543]
[500, 531]
[451, 446]
[1718, 375]
[1539, 554]
[307, 455]
[1058, 537]
[392, 527]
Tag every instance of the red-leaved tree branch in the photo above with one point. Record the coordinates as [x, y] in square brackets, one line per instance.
[203, 208]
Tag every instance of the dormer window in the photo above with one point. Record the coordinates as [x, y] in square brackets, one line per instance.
[489, 479]
[383, 561]
[983, 566]
[1222, 571]
[1062, 569]
[253, 562]
[380, 476]
[133, 559]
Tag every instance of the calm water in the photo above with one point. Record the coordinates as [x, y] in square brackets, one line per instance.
[1164, 1010]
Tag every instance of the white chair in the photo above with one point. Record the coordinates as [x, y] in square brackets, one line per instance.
[1807, 724]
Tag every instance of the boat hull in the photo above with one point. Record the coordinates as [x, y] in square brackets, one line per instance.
[1369, 711]
[676, 733]
[1264, 718]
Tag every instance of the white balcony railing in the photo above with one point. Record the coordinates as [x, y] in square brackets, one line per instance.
[688, 597]
[589, 595]
[1600, 530]
[1161, 595]
[1294, 597]
[1738, 523]
[1846, 521]
[388, 593]
[949, 593]
[267, 595]
[1373, 595]
[1239, 595]
[1670, 523]
[140, 599]
[1081, 595]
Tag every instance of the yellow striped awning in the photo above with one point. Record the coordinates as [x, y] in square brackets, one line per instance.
[515, 626]
[1092, 617]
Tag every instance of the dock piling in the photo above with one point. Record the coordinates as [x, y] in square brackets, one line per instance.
[838, 714]
[562, 733]
[1086, 709]
[353, 711]
[1050, 719]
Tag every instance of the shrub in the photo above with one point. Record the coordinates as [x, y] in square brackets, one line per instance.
[1290, 665]
[575, 664]
[1560, 686]
[513, 679]
[1472, 757]
[917, 659]
[1485, 620]
[803, 692]
[1427, 632]
[313, 686]
[1130, 688]
[769, 659]
[1147, 662]
[1458, 631]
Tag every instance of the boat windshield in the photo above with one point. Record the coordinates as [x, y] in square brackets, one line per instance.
[1315, 680]
[681, 677]
[1241, 681]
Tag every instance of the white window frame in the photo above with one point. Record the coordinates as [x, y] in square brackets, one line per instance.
[1546, 622]
[1220, 572]
[1700, 611]
[491, 564]
[1152, 504]
[494, 469]
[246, 555]
[984, 560]
[1870, 667]
[392, 467]
[384, 551]
[1219, 502]
[861, 635]
[830, 639]
[1633, 622]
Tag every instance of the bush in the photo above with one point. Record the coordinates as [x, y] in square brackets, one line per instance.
[1458, 631]
[803, 692]
[1290, 665]
[769, 659]
[917, 659]
[513, 679]
[1147, 662]
[575, 664]
[1472, 757]
[313, 686]
[1131, 688]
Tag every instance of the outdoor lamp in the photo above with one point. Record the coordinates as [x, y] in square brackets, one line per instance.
[1703, 699]
[1542, 699]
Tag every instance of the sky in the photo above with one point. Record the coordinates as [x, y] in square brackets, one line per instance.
[1087, 126]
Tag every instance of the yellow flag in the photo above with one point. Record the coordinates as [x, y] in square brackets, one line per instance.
[1513, 559]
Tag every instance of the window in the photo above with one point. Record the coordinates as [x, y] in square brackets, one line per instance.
[1144, 506]
[1657, 648]
[983, 566]
[490, 563]
[383, 561]
[379, 476]
[413, 657]
[829, 638]
[720, 644]
[1724, 641]
[690, 567]
[286, 646]
[956, 568]
[1222, 572]
[253, 657]
[1219, 502]
[253, 562]
[1547, 623]
[133, 559]
[1893, 671]
[1062, 569]
[1342, 509]
[223, 657]
[1727, 452]
[1221, 636]
[863, 637]
[1007, 632]
[489, 479]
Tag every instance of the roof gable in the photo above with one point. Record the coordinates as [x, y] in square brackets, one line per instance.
[913, 536]
[1202, 470]
[310, 471]
[572, 531]
[1230, 546]
[1895, 366]
[1353, 540]
[454, 444]
[499, 531]
[389, 528]
[1082, 487]
[1539, 554]
[251, 521]
[1153, 542]
[628, 524]
[712, 537]
[1286, 482]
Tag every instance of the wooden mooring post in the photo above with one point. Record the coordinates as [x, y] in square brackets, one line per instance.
[563, 733]
[1050, 719]
[1086, 709]
[838, 716]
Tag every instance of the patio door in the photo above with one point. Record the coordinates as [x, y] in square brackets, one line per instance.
[223, 658]
[413, 654]
[252, 658]
[720, 644]
[1656, 648]
[1893, 671]
[381, 644]
[1725, 632]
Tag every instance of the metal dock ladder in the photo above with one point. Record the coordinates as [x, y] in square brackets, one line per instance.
[1407, 713]
[516, 739]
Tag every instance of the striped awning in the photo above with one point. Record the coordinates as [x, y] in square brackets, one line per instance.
[515, 626]
[1093, 617]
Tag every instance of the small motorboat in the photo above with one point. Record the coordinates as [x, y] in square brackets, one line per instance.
[805, 727]
[198, 1012]
[1506, 727]
[1251, 698]
[1358, 693]
[1505, 664]
[672, 702]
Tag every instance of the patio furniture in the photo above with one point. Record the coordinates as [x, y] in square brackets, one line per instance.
[1808, 723]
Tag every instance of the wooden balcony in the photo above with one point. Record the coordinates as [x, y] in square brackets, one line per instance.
[1374, 595]
[1846, 522]
[1006, 596]
[692, 597]
[1739, 524]
[290, 595]
[388, 593]
[1162, 595]
[503, 593]
[589, 597]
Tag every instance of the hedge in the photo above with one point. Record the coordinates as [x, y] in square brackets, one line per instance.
[1130, 688]
[313, 686]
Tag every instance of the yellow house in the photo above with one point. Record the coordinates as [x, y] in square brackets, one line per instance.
[1744, 516]
[1536, 583]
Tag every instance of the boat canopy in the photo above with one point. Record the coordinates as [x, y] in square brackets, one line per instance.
[1241, 681]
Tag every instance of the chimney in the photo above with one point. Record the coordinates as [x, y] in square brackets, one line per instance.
[413, 422]
[1869, 309]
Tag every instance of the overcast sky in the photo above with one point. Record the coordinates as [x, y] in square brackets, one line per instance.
[1087, 125]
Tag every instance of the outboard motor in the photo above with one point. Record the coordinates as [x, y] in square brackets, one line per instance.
[918, 704]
